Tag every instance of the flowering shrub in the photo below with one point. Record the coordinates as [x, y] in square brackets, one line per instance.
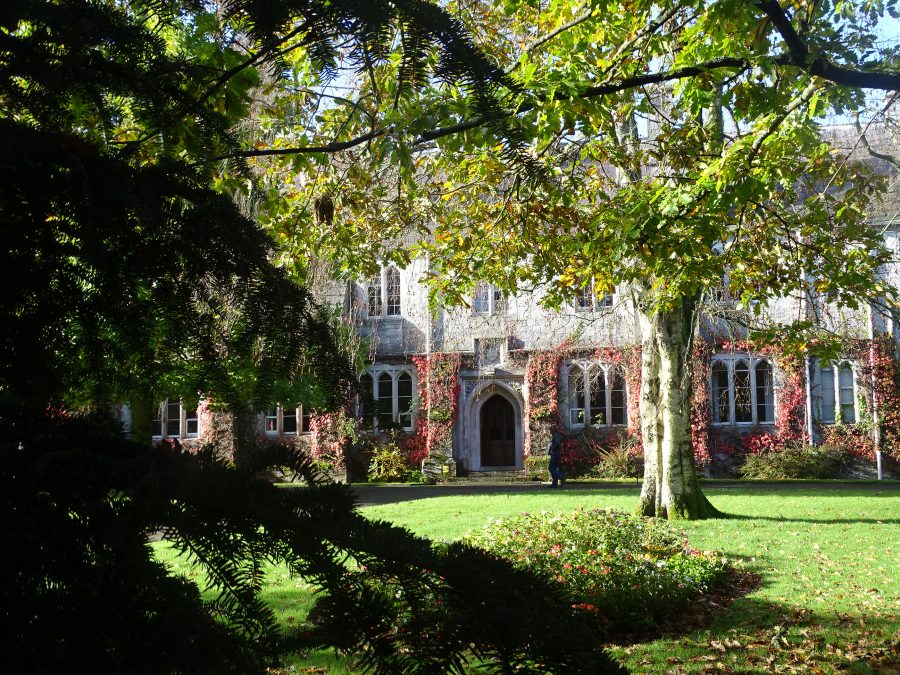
[623, 569]
[789, 414]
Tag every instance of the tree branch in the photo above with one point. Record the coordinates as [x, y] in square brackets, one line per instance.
[798, 55]
[801, 57]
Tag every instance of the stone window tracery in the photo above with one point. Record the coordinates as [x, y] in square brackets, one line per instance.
[386, 398]
[596, 395]
[742, 390]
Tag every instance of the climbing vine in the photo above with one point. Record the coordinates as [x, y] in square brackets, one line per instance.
[438, 375]
[790, 407]
[583, 448]
[542, 397]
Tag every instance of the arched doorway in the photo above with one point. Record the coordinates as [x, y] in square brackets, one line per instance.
[498, 432]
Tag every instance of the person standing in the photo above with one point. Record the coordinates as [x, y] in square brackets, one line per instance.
[554, 450]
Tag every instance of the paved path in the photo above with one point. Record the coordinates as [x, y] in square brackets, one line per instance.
[388, 494]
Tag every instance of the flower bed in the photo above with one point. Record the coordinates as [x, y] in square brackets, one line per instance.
[625, 570]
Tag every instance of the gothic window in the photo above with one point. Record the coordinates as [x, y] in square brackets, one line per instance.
[175, 420]
[383, 293]
[404, 399]
[742, 390]
[386, 398]
[577, 396]
[720, 396]
[765, 393]
[488, 299]
[742, 400]
[374, 302]
[596, 395]
[618, 399]
[836, 394]
[287, 420]
[367, 400]
[392, 275]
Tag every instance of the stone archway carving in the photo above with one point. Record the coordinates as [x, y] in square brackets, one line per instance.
[472, 432]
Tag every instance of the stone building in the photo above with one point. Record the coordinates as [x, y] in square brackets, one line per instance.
[512, 370]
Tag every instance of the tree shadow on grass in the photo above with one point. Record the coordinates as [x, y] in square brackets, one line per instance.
[819, 521]
[730, 630]
[815, 521]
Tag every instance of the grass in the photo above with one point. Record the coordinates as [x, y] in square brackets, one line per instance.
[827, 559]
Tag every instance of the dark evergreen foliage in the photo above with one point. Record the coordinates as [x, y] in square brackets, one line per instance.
[124, 272]
[80, 590]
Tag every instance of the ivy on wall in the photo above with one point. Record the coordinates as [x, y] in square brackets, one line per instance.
[330, 436]
[790, 404]
[878, 378]
[438, 375]
[542, 398]
[580, 448]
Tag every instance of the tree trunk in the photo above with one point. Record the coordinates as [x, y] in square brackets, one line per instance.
[143, 410]
[671, 488]
[243, 434]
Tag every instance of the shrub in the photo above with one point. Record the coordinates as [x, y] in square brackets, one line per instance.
[537, 467]
[624, 570]
[796, 462]
[624, 460]
[389, 464]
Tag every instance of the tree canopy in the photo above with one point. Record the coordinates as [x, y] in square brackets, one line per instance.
[661, 145]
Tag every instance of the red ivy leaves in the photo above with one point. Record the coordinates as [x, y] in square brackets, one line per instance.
[438, 375]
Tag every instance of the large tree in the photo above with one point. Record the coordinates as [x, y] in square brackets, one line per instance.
[661, 145]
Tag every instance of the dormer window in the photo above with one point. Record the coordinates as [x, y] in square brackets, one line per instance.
[589, 301]
[383, 293]
[488, 299]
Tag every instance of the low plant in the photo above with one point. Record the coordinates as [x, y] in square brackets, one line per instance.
[623, 460]
[626, 571]
[796, 462]
[389, 464]
[537, 467]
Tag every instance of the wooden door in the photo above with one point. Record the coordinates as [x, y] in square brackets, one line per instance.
[498, 432]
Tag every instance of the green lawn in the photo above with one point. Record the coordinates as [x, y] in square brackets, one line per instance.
[828, 562]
